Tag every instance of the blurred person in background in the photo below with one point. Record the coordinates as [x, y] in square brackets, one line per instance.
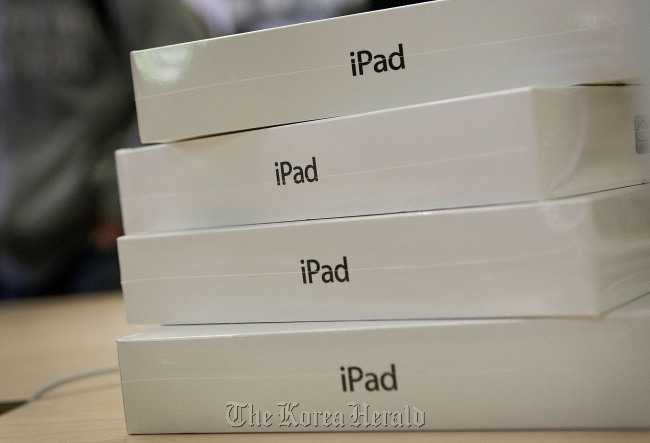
[235, 16]
[66, 104]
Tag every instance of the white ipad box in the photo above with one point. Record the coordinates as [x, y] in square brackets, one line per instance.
[511, 146]
[577, 256]
[377, 60]
[542, 373]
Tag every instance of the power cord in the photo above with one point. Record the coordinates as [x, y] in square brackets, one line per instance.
[70, 378]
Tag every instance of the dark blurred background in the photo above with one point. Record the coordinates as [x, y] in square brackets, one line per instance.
[66, 104]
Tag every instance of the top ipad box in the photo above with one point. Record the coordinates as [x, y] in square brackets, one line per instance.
[377, 60]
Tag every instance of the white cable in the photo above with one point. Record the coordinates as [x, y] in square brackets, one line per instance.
[70, 378]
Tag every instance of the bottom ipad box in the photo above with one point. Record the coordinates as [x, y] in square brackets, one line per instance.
[574, 256]
[537, 373]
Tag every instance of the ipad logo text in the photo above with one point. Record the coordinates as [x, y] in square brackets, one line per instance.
[371, 381]
[313, 270]
[380, 62]
[357, 416]
[285, 172]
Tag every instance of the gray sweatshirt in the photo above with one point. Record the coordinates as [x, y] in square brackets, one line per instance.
[66, 104]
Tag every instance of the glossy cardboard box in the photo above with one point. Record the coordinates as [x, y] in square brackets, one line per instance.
[576, 256]
[377, 60]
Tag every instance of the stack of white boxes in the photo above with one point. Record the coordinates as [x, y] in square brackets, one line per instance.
[401, 220]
